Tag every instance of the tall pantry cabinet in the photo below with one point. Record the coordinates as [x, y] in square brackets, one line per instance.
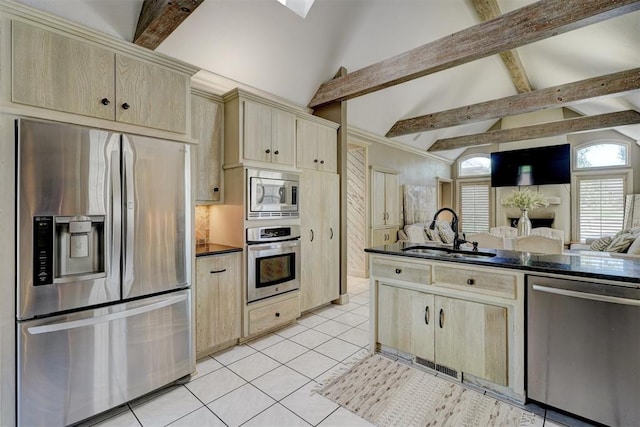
[319, 213]
[385, 207]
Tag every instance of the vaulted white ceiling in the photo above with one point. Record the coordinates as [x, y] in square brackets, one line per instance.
[262, 44]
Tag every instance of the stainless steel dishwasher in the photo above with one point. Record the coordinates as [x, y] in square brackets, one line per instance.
[583, 348]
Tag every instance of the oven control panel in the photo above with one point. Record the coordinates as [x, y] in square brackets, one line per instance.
[272, 234]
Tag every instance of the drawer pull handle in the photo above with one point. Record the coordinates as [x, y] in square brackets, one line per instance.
[426, 315]
[441, 320]
[218, 271]
[398, 270]
[277, 314]
[471, 281]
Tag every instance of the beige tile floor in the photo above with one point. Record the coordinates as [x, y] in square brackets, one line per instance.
[269, 381]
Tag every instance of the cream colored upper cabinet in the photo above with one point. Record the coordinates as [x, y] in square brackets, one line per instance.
[385, 201]
[206, 127]
[150, 95]
[59, 73]
[317, 146]
[269, 134]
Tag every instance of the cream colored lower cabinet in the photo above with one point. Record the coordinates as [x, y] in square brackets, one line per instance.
[472, 338]
[218, 302]
[405, 320]
[384, 236]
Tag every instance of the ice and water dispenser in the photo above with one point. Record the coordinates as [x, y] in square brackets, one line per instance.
[68, 249]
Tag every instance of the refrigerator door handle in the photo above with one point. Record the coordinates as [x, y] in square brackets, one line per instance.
[128, 216]
[64, 326]
[115, 208]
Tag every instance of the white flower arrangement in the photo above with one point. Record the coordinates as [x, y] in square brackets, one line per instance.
[525, 200]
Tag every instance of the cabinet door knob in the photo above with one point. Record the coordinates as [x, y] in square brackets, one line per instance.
[322, 162]
[126, 106]
[441, 320]
[216, 189]
[471, 282]
[105, 101]
[426, 315]
[398, 270]
[277, 314]
[315, 160]
[276, 152]
[218, 271]
[267, 151]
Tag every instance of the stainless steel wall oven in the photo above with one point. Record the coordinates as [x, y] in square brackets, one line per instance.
[273, 261]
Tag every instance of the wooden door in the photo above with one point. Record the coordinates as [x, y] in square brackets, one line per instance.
[383, 236]
[405, 320]
[392, 198]
[206, 127]
[59, 73]
[472, 337]
[378, 209]
[283, 137]
[257, 132]
[310, 240]
[151, 95]
[330, 250]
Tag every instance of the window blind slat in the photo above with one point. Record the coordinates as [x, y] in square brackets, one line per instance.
[601, 206]
[474, 207]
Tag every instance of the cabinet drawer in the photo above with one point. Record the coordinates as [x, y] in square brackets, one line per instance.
[489, 282]
[415, 273]
[270, 316]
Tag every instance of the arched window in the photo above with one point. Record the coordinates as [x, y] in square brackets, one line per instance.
[477, 165]
[601, 154]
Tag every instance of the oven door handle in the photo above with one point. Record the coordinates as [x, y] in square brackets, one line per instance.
[275, 245]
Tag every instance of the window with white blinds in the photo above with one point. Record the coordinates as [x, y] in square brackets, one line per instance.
[600, 206]
[474, 207]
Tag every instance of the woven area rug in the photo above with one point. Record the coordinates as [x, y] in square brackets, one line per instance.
[387, 393]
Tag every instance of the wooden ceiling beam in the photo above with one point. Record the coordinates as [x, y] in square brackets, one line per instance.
[556, 96]
[487, 10]
[159, 18]
[543, 130]
[540, 20]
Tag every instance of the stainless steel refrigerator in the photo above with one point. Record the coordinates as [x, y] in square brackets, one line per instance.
[103, 310]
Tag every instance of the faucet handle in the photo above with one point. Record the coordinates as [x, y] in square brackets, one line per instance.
[475, 246]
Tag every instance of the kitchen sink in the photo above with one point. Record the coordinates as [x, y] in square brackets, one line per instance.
[447, 252]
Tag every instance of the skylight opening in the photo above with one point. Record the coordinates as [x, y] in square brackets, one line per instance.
[299, 7]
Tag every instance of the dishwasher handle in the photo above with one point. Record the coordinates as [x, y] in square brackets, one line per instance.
[586, 295]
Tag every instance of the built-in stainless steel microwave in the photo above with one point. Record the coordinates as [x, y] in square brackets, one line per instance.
[272, 194]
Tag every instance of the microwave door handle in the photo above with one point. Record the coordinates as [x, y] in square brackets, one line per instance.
[129, 216]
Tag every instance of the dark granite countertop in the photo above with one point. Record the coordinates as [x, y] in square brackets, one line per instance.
[578, 264]
[207, 249]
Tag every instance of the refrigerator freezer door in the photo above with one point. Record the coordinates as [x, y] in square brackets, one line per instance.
[69, 229]
[156, 196]
[74, 366]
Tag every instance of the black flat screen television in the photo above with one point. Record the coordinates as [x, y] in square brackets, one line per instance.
[532, 166]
